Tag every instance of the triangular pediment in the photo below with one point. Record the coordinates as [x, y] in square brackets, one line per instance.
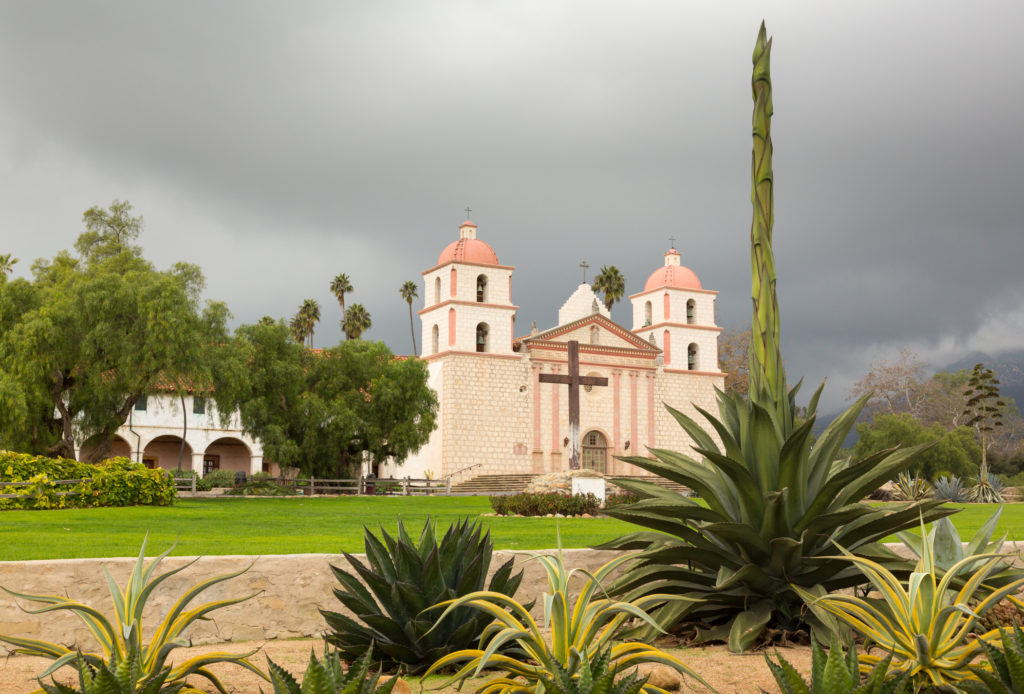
[610, 335]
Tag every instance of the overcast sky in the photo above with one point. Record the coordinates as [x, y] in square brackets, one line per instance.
[278, 144]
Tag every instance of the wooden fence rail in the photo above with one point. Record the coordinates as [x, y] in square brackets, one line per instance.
[406, 486]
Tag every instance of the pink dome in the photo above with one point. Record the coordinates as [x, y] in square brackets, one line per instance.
[672, 277]
[468, 251]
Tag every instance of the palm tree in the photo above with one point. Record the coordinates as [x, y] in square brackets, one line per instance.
[610, 281]
[7, 262]
[297, 328]
[310, 315]
[357, 321]
[408, 292]
[339, 285]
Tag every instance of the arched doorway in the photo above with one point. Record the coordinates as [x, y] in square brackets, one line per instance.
[227, 453]
[594, 452]
[164, 451]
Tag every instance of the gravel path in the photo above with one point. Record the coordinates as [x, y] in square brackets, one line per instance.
[726, 672]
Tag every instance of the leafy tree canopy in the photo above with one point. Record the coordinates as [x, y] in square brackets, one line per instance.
[322, 411]
[954, 451]
[92, 333]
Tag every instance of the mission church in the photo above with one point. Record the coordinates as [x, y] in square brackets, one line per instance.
[498, 412]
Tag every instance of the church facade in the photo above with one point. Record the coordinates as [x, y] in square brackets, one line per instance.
[497, 416]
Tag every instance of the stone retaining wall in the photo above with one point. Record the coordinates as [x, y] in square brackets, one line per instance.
[287, 589]
[287, 592]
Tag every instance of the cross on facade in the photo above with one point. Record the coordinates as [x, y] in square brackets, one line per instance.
[584, 266]
[468, 211]
[574, 381]
[672, 240]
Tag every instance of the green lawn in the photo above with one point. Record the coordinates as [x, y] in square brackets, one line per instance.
[297, 526]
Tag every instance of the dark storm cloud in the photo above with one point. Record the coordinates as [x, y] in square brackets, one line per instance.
[277, 146]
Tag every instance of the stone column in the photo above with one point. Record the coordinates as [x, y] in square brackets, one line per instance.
[650, 409]
[197, 462]
[616, 413]
[556, 443]
[635, 448]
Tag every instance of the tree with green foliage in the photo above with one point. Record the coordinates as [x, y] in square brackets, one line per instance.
[357, 321]
[92, 333]
[946, 452]
[610, 281]
[309, 316]
[775, 501]
[322, 412]
[7, 262]
[340, 286]
[408, 290]
[984, 412]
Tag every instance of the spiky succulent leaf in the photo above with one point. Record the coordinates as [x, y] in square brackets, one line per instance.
[132, 663]
[400, 579]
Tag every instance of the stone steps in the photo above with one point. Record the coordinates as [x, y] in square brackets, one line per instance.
[495, 485]
[492, 485]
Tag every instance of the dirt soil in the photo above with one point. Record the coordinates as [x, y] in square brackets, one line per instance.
[726, 672]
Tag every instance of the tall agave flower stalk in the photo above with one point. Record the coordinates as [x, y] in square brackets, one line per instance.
[775, 499]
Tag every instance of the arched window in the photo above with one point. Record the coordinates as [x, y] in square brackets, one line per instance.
[451, 327]
[481, 288]
[434, 339]
[667, 306]
[437, 290]
[595, 335]
[454, 282]
[481, 337]
[691, 357]
[594, 455]
[691, 312]
[666, 347]
[647, 313]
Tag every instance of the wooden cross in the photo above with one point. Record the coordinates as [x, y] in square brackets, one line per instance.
[574, 381]
[672, 240]
[467, 212]
[584, 266]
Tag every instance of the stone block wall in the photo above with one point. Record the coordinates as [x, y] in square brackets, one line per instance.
[288, 591]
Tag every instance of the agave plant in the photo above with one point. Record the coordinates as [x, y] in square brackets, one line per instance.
[950, 489]
[404, 579]
[121, 640]
[585, 675]
[775, 499]
[327, 676]
[948, 551]
[911, 487]
[1005, 671]
[572, 629]
[924, 623]
[115, 678]
[836, 673]
[987, 489]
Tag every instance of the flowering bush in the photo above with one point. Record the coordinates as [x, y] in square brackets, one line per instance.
[543, 504]
[114, 482]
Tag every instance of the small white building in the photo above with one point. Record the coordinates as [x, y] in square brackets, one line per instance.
[156, 427]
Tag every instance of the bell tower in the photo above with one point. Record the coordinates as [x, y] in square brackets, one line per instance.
[467, 300]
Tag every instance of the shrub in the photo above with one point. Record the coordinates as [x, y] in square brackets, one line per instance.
[327, 676]
[1004, 673]
[911, 488]
[404, 579]
[542, 504]
[202, 485]
[266, 486]
[220, 478]
[571, 630]
[613, 500]
[836, 673]
[113, 482]
[924, 623]
[121, 639]
[950, 488]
